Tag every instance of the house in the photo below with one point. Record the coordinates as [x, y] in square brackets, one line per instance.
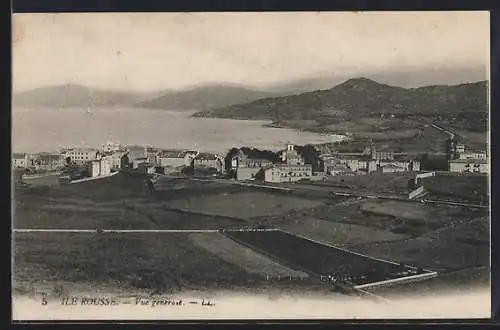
[20, 160]
[46, 162]
[137, 161]
[80, 155]
[100, 167]
[207, 160]
[118, 159]
[391, 168]
[473, 154]
[151, 154]
[469, 166]
[340, 169]
[287, 173]
[247, 167]
[248, 173]
[174, 159]
[241, 159]
[147, 168]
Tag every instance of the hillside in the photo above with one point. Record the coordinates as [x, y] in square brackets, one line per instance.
[205, 97]
[355, 100]
[66, 96]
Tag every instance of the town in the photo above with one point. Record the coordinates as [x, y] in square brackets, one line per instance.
[292, 164]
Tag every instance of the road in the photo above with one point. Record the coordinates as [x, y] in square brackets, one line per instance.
[104, 231]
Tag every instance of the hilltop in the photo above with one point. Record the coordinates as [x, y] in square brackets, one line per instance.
[204, 98]
[365, 108]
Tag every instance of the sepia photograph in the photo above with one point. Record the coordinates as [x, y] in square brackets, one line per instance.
[251, 165]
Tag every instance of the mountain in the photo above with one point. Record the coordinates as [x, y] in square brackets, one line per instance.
[205, 97]
[408, 78]
[65, 96]
[361, 98]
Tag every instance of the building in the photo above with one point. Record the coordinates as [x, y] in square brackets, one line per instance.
[111, 147]
[463, 160]
[94, 168]
[241, 159]
[137, 161]
[288, 173]
[100, 167]
[340, 169]
[46, 162]
[391, 168]
[20, 160]
[246, 167]
[249, 173]
[469, 166]
[118, 159]
[80, 156]
[147, 168]
[151, 154]
[208, 160]
[291, 157]
[369, 161]
[175, 159]
[473, 154]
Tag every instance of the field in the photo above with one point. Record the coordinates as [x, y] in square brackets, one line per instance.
[458, 245]
[339, 233]
[392, 183]
[468, 188]
[320, 259]
[161, 263]
[443, 238]
[244, 205]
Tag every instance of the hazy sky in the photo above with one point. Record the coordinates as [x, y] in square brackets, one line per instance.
[152, 51]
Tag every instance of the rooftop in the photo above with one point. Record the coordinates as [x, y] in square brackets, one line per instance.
[172, 153]
[18, 155]
[471, 161]
[206, 156]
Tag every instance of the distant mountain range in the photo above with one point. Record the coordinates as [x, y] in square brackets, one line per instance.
[361, 98]
[67, 96]
[206, 97]
[217, 95]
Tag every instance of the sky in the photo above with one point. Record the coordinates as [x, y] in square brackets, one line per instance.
[154, 51]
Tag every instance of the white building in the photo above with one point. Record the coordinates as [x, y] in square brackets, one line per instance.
[19, 160]
[291, 157]
[473, 155]
[174, 159]
[469, 166]
[111, 147]
[100, 167]
[287, 173]
[81, 155]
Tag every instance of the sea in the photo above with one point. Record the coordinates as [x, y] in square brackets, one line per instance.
[49, 130]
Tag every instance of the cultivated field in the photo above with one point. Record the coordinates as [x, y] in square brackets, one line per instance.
[437, 237]
[161, 263]
[244, 205]
[339, 233]
[408, 218]
[392, 183]
[242, 256]
[469, 188]
[320, 259]
[458, 245]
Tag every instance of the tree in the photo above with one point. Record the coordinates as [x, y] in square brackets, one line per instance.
[311, 156]
[229, 157]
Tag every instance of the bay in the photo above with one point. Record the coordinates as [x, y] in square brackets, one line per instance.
[35, 130]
